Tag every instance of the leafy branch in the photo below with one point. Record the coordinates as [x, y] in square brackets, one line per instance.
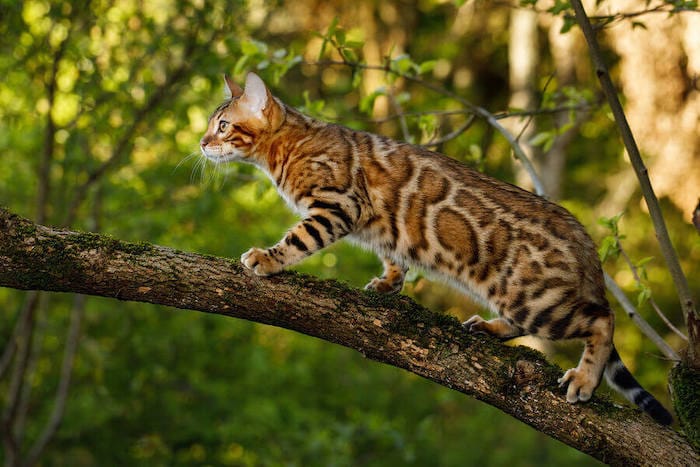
[611, 247]
[566, 10]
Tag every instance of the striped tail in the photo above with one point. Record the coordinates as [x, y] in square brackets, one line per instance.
[620, 379]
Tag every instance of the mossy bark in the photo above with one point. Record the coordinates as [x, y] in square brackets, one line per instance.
[685, 386]
[389, 329]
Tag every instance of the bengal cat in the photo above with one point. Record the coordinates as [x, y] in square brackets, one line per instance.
[524, 258]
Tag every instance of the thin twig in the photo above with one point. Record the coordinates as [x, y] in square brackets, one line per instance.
[72, 340]
[399, 111]
[583, 107]
[663, 8]
[636, 318]
[531, 117]
[453, 134]
[35, 350]
[7, 422]
[11, 346]
[605, 20]
[638, 279]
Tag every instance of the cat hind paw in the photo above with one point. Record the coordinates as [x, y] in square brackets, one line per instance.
[580, 385]
[475, 324]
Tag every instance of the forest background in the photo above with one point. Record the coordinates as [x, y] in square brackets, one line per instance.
[103, 105]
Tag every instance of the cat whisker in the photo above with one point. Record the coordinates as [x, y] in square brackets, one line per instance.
[197, 175]
[206, 172]
[186, 159]
[222, 174]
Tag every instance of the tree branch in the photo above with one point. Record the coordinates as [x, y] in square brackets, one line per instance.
[635, 274]
[388, 329]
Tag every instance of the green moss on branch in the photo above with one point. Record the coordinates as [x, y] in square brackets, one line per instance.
[685, 385]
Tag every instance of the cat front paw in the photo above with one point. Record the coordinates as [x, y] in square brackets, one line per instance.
[384, 286]
[260, 262]
[476, 324]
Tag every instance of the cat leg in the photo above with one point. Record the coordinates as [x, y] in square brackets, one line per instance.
[391, 280]
[317, 231]
[583, 379]
[498, 327]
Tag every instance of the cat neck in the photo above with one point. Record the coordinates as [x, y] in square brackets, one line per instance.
[292, 131]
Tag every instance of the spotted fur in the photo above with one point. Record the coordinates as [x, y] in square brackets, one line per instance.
[524, 258]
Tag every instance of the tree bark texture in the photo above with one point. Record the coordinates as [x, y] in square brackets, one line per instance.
[389, 329]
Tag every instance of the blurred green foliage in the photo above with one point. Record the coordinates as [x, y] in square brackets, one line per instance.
[113, 97]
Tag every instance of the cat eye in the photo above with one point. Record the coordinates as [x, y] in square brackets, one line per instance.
[222, 125]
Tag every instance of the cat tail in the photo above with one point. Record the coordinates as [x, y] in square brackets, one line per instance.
[620, 379]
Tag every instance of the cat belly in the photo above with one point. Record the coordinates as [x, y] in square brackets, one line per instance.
[401, 254]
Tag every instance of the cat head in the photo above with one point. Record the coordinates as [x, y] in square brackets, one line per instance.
[247, 115]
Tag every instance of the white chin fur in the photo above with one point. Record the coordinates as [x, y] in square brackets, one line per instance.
[218, 157]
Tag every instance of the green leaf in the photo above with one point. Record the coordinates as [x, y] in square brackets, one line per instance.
[643, 296]
[339, 37]
[427, 66]
[611, 223]
[354, 44]
[328, 37]
[253, 47]
[565, 127]
[241, 64]
[428, 124]
[475, 152]
[367, 102]
[559, 7]
[569, 22]
[608, 248]
[402, 97]
[330, 32]
[322, 50]
[542, 138]
[356, 79]
[402, 64]
[313, 107]
[349, 55]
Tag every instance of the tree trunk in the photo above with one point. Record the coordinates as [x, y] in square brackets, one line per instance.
[659, 66]
[389, 329]
[523, 57]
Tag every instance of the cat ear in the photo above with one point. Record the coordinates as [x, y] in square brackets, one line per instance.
[256, 94]
[231, 89]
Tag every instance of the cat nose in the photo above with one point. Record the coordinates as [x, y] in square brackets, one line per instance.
[202, 142]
